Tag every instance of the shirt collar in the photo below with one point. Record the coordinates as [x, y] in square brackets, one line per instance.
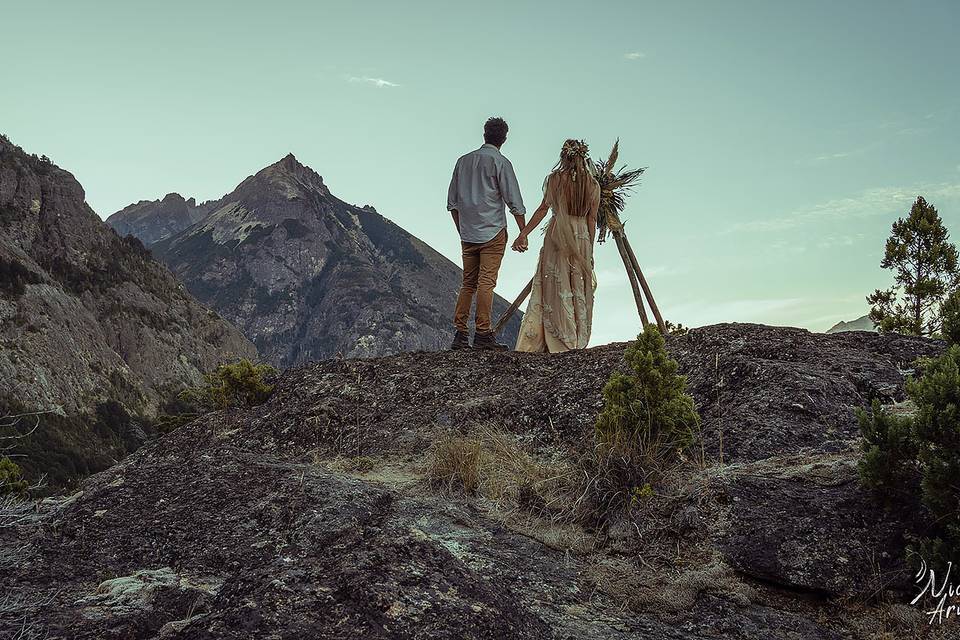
[487, 144]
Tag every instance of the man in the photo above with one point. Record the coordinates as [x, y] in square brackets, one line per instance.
[483, 184]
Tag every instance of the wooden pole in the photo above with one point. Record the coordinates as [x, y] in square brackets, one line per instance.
[513, 307]
[646, 288]
[637, 297]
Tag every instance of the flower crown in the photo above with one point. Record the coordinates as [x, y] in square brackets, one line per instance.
[574, 149]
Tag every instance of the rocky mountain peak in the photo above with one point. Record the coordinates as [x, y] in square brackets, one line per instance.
[863, 323]
[296, 179]
[306, 275]
[154, 220]
[174, 199]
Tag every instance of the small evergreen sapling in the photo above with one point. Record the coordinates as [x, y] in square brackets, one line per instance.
[648, 418]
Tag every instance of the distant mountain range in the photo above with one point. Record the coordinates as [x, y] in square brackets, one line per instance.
[91, 326]
[863, 323]
[153, 220]
[302, 273]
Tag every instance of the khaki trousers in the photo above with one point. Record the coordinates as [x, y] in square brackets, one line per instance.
[481, 264]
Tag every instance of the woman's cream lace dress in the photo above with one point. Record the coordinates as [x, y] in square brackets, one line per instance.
[559, 315]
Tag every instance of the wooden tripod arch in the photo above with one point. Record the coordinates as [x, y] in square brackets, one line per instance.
[614, 186]
[638, 283]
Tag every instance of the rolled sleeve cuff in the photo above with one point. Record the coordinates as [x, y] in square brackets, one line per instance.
[519, 211]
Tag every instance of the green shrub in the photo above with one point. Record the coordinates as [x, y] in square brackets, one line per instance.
[950, 316]
[648, 418]
[937, 433]
[240, 384]
[11, 478]
[900, 451]
[889, 451]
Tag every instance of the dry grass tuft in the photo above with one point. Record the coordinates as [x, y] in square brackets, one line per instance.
[490, 463]
[667, 590]
[455, 464]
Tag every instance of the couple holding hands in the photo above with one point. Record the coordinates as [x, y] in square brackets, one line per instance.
[560, 312]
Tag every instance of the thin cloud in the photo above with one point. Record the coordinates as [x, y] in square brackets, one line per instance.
[664, 271]
[784, 247]
[872, 202]
[841, 240]
[765, 310]
[834, 156]
[634, 55]
[840, 155]
[379, 83]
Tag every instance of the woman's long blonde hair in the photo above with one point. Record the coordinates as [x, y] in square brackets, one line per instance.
[573, 187]
[572, 178]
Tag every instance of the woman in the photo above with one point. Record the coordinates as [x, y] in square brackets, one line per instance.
[560, 313]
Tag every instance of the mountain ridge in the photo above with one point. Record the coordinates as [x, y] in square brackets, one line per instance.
[863, 323]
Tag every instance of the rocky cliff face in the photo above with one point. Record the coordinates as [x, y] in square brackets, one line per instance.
[153, 220]
[310, 516]
[307, 276]
[85, 316]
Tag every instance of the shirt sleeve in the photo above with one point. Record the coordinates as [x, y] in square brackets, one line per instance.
[510, 190]
[452, 195]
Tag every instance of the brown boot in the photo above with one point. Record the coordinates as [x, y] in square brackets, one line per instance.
[488, 342]
[460, 341]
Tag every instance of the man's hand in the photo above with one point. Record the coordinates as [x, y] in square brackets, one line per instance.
[520, 244]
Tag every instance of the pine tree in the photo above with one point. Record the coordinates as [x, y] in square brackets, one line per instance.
[925, 266]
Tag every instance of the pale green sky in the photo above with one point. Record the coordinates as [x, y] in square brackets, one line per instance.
[782, 138]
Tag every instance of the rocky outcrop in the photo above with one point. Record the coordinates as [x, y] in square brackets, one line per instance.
[307, 276]
[86, 317]
[309, 516]
[153, 220]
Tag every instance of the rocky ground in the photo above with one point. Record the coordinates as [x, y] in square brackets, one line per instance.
[311, 515]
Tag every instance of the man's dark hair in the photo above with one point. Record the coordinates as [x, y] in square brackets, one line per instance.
[495, 131]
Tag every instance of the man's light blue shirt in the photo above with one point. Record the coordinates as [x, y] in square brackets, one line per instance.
[483, 182]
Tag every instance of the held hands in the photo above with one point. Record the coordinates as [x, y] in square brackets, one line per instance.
[520, 244]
